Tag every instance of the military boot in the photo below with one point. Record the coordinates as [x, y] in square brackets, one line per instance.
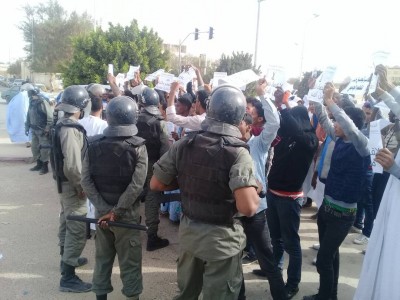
[38, 166]
[154, 242]
[69, 282]
[45, 168]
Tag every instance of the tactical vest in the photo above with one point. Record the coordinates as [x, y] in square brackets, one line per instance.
[204, 168]
[38, 117]
[56, 155]
[112, 162]
[149, 128]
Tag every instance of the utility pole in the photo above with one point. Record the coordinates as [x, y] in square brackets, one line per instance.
[258, 25]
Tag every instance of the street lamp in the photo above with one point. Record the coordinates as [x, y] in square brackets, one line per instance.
[258, 24]
[314, 16]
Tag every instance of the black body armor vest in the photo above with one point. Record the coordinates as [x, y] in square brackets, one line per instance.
[149, 129]
[112, 162]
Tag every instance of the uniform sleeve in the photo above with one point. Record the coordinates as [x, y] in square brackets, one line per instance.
[90, 189]
[49, 114]
[132, 192]
[164, 139]
[71, 146]
[165, 169]
[242, 172]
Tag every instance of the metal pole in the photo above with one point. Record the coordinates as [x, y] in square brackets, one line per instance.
[258, 24]
[303, 43]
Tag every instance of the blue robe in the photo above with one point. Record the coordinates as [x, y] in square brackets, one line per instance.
[17, 111]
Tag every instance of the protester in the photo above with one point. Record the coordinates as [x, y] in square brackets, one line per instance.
[17, 110]
[380, 274]
[350, 160]
[293, 154]
[256, 227]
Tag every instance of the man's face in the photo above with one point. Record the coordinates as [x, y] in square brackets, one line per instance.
[254, 116]
[197, 107]
[249, 108]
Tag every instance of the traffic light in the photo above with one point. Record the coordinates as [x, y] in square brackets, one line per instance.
[211, 33]
[196, 33]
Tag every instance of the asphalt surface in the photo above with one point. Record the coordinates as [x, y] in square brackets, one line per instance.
[29, 254]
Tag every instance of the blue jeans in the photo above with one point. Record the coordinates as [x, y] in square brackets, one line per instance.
[365, 208]
[283, 216]
[257, 233]
[333, 227]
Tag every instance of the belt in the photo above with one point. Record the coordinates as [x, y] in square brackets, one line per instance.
[339, 208]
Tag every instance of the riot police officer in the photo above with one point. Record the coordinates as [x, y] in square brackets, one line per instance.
[113, 174]
[68, 142]
[214, 172]
[39, 120]
[152, 128]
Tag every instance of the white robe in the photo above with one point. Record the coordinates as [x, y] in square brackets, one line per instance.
[93, 126]
[17, 110]
[380, 274]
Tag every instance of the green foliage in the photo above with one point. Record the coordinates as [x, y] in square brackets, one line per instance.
[15, 68]
[120, 46]
[48, 30]
[304, 85]
[236, 63]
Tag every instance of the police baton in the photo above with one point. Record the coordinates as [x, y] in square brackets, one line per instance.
[110, 223]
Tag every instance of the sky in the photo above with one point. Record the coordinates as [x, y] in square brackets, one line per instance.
[345, 33]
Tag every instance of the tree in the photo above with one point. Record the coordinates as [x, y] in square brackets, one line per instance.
[48, 30]
[15, 68]
[120, 46]
[236, 63]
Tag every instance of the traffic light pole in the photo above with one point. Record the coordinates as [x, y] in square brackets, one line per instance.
[190, 33]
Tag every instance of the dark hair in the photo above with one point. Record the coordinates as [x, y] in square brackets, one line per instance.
[186, 100]
[202, 96]
[189, 89]
[259, 109]
[300, 114]
[356, 115]
[97, 104]
[248, 119]
[251, 100]
[163, 103]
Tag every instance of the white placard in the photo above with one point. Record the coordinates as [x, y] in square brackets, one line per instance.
[316, 94]
[119, 80]
[241, 78]
[111, 69]
[186, 76]
[217, 77]
[357, 86]
[164, 82]
[374, 145]
[382, 105]
[373, 83]
[131, 73]
[153, 76]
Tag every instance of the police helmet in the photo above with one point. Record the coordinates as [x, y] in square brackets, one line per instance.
[227, 104]
[121, 111]
[149, 97]
[74, 99]
[96, 91]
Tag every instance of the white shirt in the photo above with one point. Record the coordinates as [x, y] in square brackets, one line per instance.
[192, 122]
[93, 125]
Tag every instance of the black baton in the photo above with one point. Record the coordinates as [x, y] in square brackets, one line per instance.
[110, 223]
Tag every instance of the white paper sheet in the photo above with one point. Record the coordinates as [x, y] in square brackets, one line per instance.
[375, 144]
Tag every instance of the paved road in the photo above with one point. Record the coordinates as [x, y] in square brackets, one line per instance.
[28, 244]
